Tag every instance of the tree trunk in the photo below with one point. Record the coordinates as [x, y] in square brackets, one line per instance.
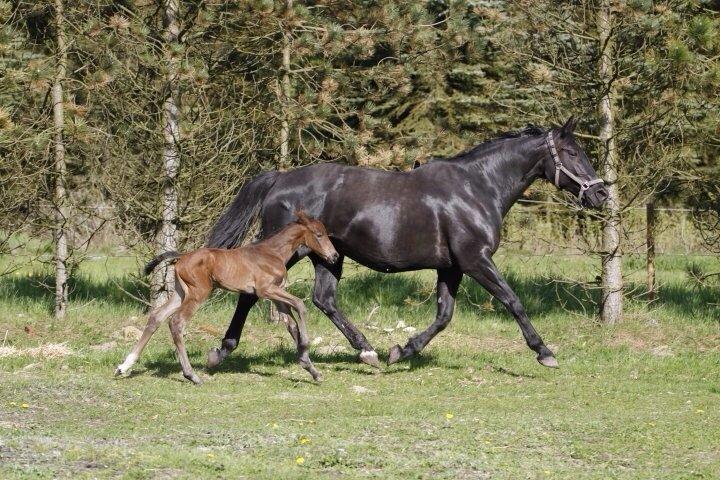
[285, 125]
[650, 227]
[164, 281]
[611, 308]
[60, 195]
[284, 160]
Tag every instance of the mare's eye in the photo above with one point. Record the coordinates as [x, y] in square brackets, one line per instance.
[572, 153]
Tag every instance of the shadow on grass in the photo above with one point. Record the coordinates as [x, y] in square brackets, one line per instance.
[539, 295]
[238, 362]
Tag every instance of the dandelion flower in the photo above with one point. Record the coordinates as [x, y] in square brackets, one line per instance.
[449, 415]
[303, 440]
[300, 460]
[275, 426]
[24, 405]
[211, 455]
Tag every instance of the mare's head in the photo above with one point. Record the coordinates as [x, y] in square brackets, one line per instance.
[568, 167]
[315, 237]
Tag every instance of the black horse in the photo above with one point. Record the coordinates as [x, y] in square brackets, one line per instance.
[445, 215]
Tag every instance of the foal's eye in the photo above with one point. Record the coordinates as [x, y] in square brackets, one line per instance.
[572, 153]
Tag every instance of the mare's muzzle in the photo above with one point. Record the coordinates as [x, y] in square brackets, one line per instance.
[595, 196]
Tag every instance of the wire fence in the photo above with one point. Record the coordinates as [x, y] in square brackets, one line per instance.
[532, 228]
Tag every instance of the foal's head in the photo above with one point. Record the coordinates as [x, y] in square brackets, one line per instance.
[315, 237]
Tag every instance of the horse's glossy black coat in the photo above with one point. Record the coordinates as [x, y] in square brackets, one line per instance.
[445, 215]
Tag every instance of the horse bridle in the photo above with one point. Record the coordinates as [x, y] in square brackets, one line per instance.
[559, 167]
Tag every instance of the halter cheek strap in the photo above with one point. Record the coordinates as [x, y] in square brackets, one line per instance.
[559, 167]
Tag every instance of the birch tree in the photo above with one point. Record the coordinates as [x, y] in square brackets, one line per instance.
[60, 200]
[168, 234]
[611, 306]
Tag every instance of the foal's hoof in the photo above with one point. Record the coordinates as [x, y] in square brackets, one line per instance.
[370, 357]
[194, 378]
[214, 358]
[121, 372]
[396, 354]
[548, 361]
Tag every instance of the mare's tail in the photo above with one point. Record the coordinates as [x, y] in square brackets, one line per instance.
[234, 223]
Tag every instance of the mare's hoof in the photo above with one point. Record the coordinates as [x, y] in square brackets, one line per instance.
[548, 361]
[370, 357]
[395, 355]
[214, 358]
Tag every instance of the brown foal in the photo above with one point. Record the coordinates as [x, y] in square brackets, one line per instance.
[258, 269]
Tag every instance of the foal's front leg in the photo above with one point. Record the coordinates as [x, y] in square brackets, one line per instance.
[281, 297]
[288, 320]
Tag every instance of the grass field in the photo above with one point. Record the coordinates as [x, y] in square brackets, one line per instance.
[636, 400]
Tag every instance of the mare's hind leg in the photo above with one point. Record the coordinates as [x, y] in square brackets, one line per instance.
[156, 317]
[324, 297]
[193, 299]
[447, 285]
[303, 343]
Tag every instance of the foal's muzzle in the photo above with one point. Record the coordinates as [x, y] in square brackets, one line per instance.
[595, 196]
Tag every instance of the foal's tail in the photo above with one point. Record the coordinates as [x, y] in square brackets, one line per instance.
[160, 258]
[234, 223]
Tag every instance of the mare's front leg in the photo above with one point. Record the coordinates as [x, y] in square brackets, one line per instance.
[484, 271]
[232, 336]
[447, 285]
[327, 277]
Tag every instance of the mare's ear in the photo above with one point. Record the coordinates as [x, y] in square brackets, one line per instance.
[569, 126]
[302, 217]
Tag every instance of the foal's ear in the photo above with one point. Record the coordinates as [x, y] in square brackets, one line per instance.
[302, 217]
[569, 126]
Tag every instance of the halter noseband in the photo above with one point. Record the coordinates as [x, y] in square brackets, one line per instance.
[559, 167]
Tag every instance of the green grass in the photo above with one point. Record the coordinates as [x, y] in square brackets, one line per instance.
[636, 400]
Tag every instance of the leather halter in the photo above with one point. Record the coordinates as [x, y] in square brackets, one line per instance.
[559, 167]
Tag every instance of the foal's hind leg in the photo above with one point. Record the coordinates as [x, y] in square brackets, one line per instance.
[303, 342]
[156, 317]
[193, 299]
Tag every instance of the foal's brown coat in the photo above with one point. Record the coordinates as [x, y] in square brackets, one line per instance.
[258, 269]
